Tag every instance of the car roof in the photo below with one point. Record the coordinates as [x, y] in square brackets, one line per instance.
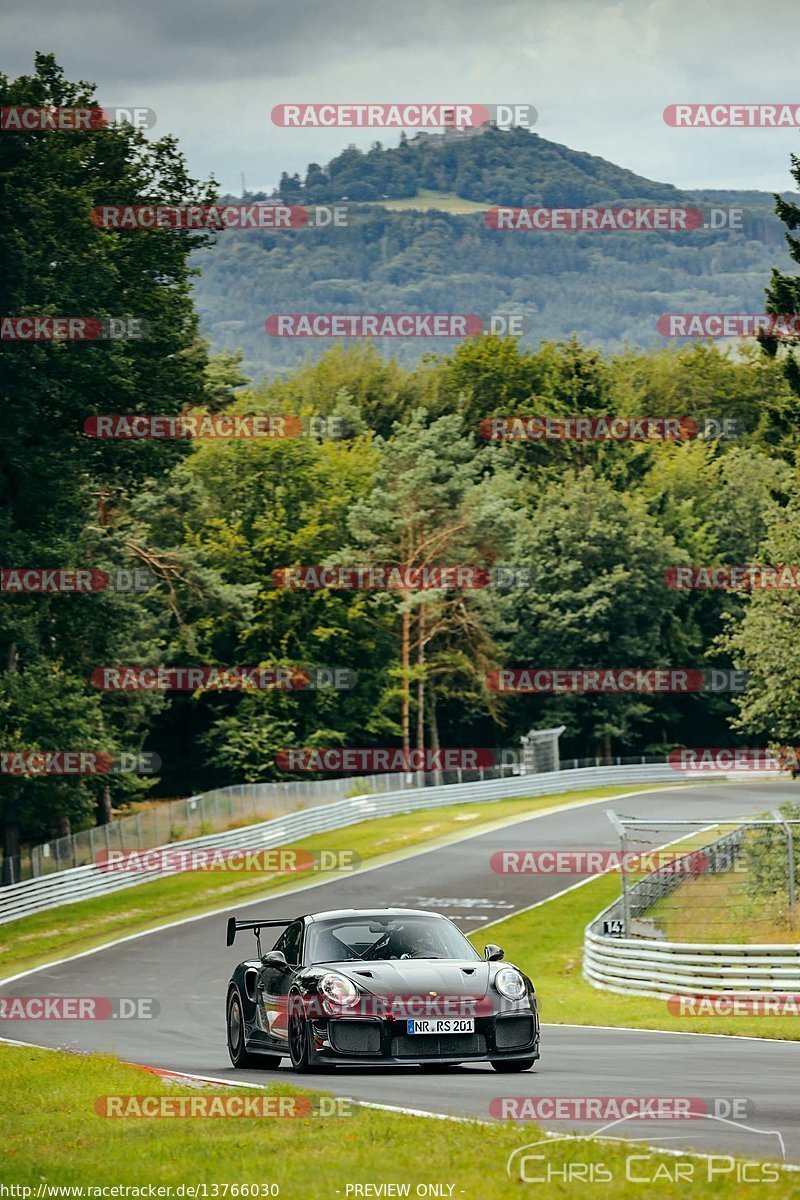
[340, 913]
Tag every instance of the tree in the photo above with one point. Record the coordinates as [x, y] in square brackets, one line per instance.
[430, 505]
[783, 293]
[46, 708]
[56, 262]
[764, 641]
[598, 602]
[61, 492]
[260, 507]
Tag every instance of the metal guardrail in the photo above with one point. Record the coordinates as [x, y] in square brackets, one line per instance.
[173, 820]
[217, 810]
[651, 967]
[80, 883]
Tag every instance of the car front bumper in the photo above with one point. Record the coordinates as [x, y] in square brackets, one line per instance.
[371, 1040]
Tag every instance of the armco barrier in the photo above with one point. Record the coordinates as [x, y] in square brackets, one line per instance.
[650, 967]
[662, 969]
[195, 816]
[80, 883]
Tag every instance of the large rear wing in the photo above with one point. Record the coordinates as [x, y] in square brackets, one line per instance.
[234, 926]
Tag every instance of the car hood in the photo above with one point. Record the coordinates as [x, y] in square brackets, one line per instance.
[418, 977]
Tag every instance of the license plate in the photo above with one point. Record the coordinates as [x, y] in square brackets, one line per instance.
[442, 1025]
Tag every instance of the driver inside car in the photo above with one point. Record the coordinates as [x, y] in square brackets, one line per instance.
[330, 948]
[416, 944]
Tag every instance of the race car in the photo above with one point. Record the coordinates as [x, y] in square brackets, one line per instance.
[377, 987]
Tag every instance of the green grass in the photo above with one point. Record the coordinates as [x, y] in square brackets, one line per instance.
[59, 932]
[53, 1135]
[719, 908]
[547, 944]
[428, 199]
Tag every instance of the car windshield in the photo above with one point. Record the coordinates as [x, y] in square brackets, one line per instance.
[380, 937]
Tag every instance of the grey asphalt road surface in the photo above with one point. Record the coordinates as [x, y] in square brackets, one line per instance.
[187, 967]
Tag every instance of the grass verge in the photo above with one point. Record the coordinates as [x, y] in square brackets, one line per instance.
[428, 199]
[58, 932]
[720, 908]
[547, 944]
[53, 1135]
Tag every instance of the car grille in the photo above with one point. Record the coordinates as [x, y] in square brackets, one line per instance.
[429, 1045]
[511, 1032]
[355, 1037]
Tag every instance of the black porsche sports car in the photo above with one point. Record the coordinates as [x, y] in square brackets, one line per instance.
[388, 987]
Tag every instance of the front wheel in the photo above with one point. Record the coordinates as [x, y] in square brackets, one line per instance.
[514, 1065]
[237, 1048]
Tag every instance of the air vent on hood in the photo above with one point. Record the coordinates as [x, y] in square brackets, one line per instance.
[366, 974]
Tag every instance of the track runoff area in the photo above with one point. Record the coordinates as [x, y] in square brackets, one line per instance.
[748, 1085]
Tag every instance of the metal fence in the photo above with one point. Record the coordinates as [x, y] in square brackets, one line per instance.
[177, 820]
[223, 808]
[748, 876]
[79, 883]
[653, 966]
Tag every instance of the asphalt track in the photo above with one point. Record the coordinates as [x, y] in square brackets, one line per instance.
[187, 966]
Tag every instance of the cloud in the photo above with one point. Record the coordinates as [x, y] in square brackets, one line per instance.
[599, 72]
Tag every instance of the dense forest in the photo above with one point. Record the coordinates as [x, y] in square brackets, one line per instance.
[490, 166]
[600, 523]
[608, 289]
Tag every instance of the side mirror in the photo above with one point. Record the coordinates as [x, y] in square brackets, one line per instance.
[276, 959]
[493, 953]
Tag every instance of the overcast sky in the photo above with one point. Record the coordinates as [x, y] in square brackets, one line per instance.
[599, 73]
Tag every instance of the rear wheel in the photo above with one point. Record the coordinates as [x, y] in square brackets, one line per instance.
[237, 1048]
[298, 1035]
[513, 1065]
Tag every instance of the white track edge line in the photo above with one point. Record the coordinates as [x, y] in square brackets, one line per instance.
[278, 892]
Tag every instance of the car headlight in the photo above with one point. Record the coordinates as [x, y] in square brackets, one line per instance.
[338, 989]
[510, 983]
